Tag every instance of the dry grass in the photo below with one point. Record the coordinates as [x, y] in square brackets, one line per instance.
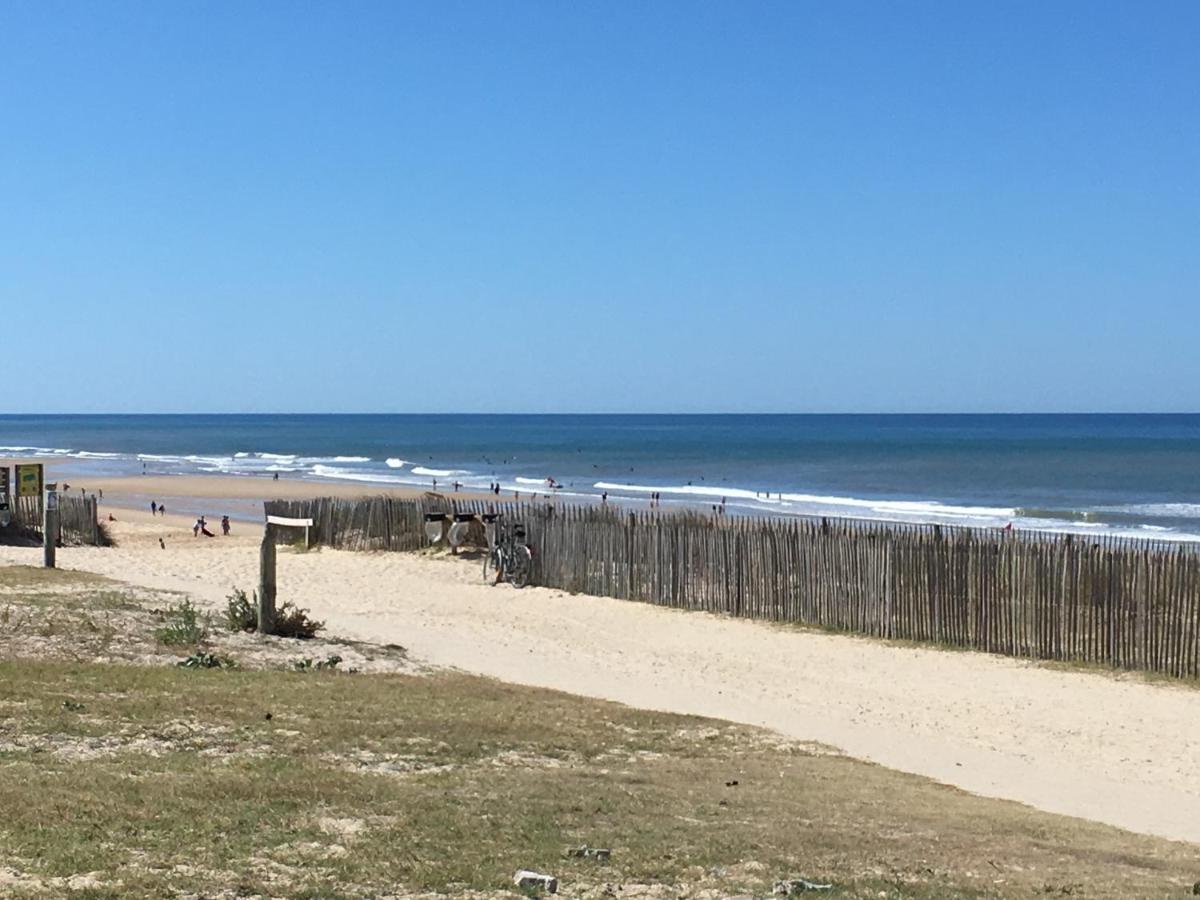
[152, 781]
[53, 614]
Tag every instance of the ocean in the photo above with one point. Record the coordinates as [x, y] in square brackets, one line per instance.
[1135, 475]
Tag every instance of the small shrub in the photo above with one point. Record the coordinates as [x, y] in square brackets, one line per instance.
[293, 622]
[184, 626]
[328, 664]
[241, 614]
[206, 661]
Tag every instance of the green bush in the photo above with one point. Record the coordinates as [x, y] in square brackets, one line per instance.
[184, 626]
[293, 622]
[329, 663]
[241, 614]
[206, 661]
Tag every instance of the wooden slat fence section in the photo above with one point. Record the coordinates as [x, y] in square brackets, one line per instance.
[78, 521]
[1119, 602]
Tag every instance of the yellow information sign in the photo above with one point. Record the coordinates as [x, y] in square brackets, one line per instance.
[29, 480]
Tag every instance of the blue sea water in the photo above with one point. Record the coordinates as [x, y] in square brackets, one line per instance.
[1126, 474]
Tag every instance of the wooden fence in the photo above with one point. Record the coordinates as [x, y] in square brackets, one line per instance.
[78, 521]
[1125, 603]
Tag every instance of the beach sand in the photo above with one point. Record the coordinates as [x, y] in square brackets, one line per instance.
[1116, 749]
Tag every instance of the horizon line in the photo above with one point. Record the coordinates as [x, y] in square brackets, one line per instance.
[617, 413]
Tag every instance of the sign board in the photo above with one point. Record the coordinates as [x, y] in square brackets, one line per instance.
[284, 520]
[29, 480]
[292, 523]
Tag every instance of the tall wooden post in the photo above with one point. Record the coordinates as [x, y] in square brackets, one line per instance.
[266, 583]
[49, 525]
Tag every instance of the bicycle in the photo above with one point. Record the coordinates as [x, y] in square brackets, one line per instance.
[508, 556]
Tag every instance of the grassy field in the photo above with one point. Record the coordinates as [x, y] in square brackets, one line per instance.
[134, 779]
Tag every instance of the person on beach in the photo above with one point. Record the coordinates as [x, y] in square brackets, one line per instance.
[153, 508]
[276, 477]
[225, 526]
[162, 509]
[604, 497]
[196, 528]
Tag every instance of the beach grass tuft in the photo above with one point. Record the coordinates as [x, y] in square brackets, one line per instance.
[184, 626]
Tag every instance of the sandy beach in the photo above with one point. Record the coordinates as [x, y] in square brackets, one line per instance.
[1111, 748]
[213, 496]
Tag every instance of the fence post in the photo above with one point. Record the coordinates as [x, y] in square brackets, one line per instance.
[49, 525]
[266, 583]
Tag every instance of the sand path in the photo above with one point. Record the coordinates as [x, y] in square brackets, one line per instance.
[1116, 750]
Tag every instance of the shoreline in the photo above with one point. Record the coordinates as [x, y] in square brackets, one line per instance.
[241, 496]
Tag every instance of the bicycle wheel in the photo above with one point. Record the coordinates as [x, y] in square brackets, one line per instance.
[521, 566]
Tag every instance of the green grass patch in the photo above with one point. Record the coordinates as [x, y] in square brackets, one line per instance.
[167, 780]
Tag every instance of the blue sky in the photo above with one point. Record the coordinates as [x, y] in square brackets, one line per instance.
[543, 207]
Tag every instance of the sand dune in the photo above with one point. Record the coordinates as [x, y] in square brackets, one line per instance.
[1114, 749]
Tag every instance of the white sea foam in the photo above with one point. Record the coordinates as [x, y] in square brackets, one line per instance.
[909, 509]
[539, 482]
[394, 462]
[336, 472]
[38, 451]
[1155, 510]
[913, 511]
[438, 473]
[88, 454]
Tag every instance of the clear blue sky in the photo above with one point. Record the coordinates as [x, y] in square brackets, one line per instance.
[600, 206]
